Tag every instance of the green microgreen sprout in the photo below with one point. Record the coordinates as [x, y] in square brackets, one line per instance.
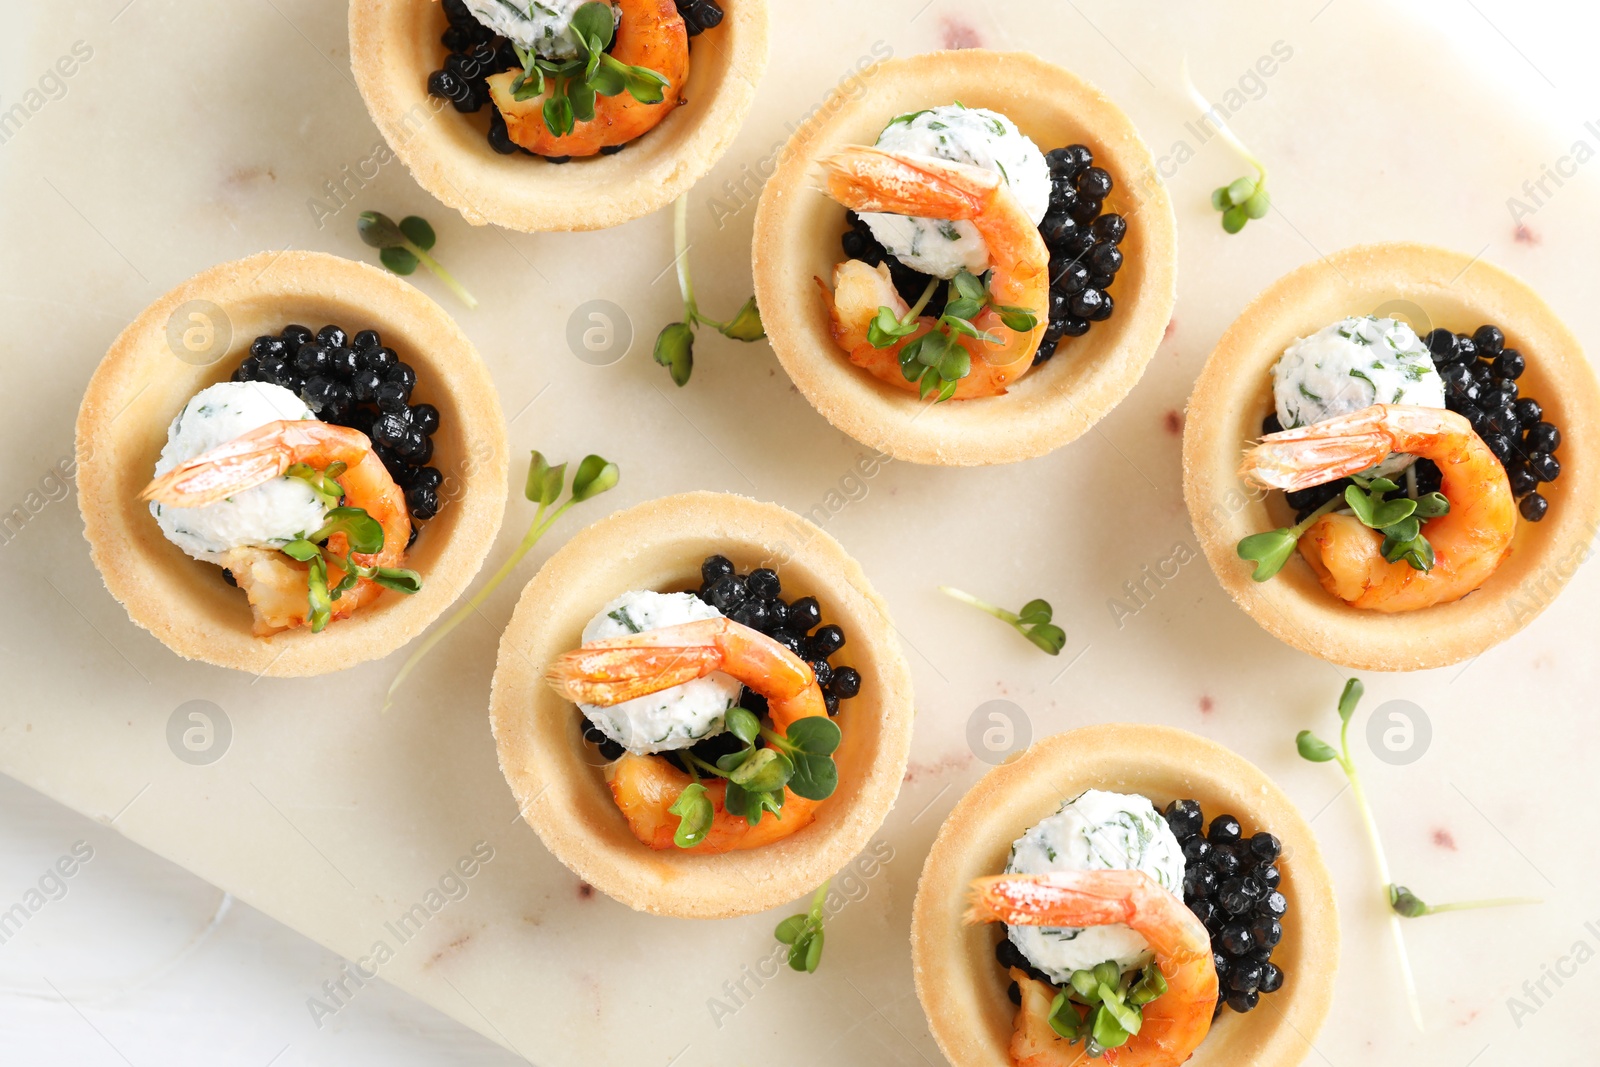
[937, 361]
[1399, 520]
[1243, 198]
[675, 344]
[595, 475]
[362, 533]
[404, 244]
[573, 84]
[1111, 1004]
[800, 760]
[1399, 901]
[803, 933]
[1032, 622]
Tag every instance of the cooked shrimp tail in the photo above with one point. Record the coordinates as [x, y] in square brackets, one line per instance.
[611, 671]
[1469, 542]
[873, 179]
[1174, 1023]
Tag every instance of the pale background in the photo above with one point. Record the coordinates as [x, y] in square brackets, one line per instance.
[197, 132]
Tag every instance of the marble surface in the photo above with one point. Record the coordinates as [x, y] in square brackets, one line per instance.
[195, 132]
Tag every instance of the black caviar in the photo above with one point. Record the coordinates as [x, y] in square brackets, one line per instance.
[356, 381]
[1480, 383]
[1230, 882]
[1083, 240]
[473, 52]
[755, 600]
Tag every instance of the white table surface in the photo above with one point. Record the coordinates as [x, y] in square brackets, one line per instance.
[197, 132]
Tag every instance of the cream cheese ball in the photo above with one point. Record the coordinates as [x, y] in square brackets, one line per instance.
[1353, 364]
[268, 516]
[1096, 831]
[674, 718]
[975, 136]
[542, 26]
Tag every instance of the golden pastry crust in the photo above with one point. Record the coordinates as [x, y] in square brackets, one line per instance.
[1430, 287]
[394, 45]
[556, 776]
[797, 232]
[963, 989]
[142, 384]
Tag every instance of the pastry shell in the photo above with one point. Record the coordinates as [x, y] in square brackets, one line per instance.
[1430, 287]
[963, 989]
[797, 232]
[557, 777]
[195, 336]
[394, 46]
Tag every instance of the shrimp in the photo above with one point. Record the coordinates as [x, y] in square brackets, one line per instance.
[1173, 1024]
[652, 35]
[617, 669]
[858, 292]
[1468, 543]
[275, 584]
[872, 179]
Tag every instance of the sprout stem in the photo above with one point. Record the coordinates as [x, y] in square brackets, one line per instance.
[531, 538]
[680, 247]
[1471, 905]
[442, 274]
[1349, 767]
[967, 598]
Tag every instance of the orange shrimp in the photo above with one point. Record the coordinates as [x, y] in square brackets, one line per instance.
[872, 179]
[1469, 542]
[275, 584]
[651, 35]
[1173, 1024]
[858, 292]
[611, 671]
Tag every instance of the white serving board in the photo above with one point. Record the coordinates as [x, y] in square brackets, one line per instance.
[197, 133]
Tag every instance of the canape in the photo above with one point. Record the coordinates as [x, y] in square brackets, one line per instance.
[1423, 485]
[562, 116]
[701, 707]
[976, 233]
[288, 499]
[1185, 921]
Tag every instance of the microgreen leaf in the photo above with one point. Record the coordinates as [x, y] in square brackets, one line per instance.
[1350, 696]
[675, 351]
[399, 260]
[970, 287]
[962, 309]
[1314, 748]
[766, 771]
[365, 533]
[594, 20]
[1432, 505]
[398, 579]
[1064, 1018]
[1034, 612]
[743, 724]
[557, 111]
[418, 232]
[1017, 319]
[301, 550]
[378, 230]
[753, 806]
[645, 85]
[320, 602]
[1406, 903]
[595, 475]
[745, 325]
[1051, 639]
[1151, 984]
[815, 735]
[803, 933]
[1269, 551]
[694, 811]
[544, 482]
[608, 79]
[580, 97]
[886, 328]
[1107, 1030]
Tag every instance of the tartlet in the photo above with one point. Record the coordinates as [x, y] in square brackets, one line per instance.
[797, 231]
[394, 44]
[551, 769]
[963, 990]
[142, 383]
[1234, 393]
